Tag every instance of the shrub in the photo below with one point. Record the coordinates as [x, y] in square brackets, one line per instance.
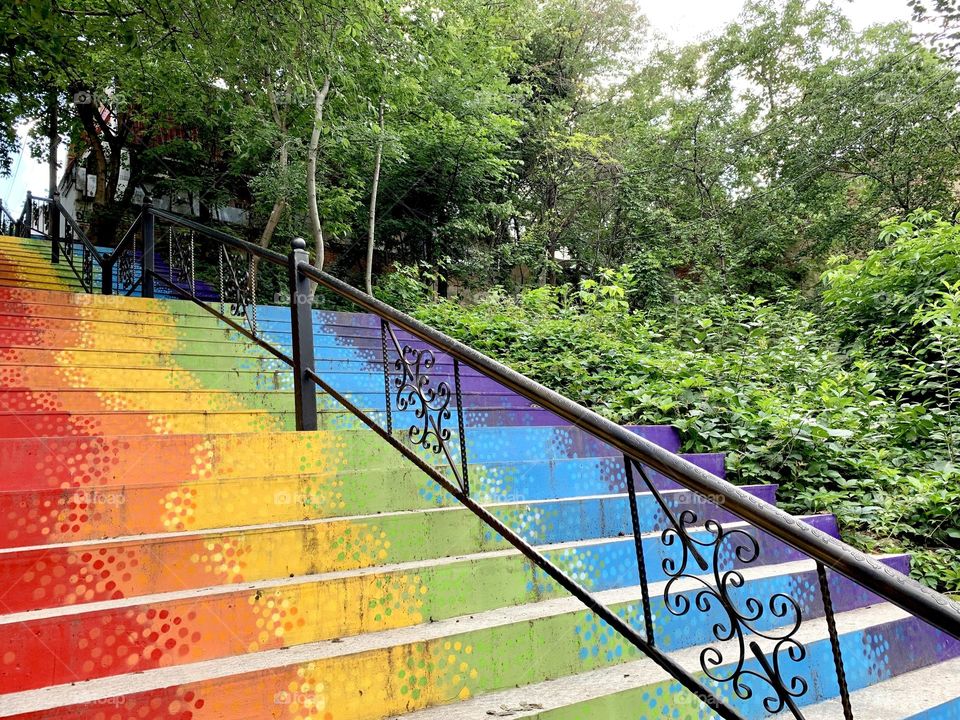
[767, 381]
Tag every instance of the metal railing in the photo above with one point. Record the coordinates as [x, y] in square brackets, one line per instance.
[414, 383]
[7, 223]
[48, 218]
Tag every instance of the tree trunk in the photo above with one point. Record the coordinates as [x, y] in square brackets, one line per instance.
[104, 218]
[54, 136]
[280, 204]
[320, 98]
[373, 201]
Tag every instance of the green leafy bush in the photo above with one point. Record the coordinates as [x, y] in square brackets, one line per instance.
[405, 288]
[769, 382]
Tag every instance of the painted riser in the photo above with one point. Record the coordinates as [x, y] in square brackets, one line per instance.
[108, 571]
[870, 656]
[83, 402]
[53, 651]
[231, 357]
[111, 511]
[381, 683]
[530, 454]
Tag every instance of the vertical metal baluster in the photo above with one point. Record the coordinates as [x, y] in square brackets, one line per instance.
[834, 641]
[220, 267]
[86, 268]
[149, 249]
[27, 219]
[386, 375]
[638, 542]
[253, 294]
[193, 267]
[170, 273]
[463, 435]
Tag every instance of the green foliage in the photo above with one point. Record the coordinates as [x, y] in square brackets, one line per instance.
[407, 287]
[877, 303]
[764, 380]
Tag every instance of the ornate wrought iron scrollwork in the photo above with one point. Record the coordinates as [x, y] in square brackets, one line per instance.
[126, 266]
[86, 268]
[430, 403]
[236, 288]
[182, 260]
[40, 216]
[68, 240]
[744, 615]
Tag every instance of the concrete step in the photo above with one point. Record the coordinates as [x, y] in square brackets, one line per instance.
[360, 322]
[62, 488]
[444, 664]
[34, 344]
[539, 453]
[28, 274]
[81, 400]
[146, 564]
[64, 329]
[121, 422]
[877, 643]
[118, 377]
[929, 693]
[53, 647]
[245, 374]
[72, 510]
[51, 283]
[71, 301]
[71, 338]
[118, 308]
[26, 268]
[331, 416]
[193, 322]
[227, 356]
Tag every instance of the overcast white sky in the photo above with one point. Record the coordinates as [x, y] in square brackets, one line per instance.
[679, 20]
[685, 20]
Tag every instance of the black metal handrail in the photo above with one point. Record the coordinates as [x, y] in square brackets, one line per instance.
[43, 215]
[431, 402]
[901, 590]
[826, 551]
[48, 225]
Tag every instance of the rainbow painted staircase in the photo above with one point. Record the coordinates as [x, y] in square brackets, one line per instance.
[172, 549]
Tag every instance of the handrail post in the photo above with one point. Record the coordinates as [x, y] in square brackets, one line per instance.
[146, 268]
[55, 228]
[28, 216]
[301, 318]
[106, 275]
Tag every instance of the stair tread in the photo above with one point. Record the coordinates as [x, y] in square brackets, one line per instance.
[630, 592]
[595, 684]
[175, 535]
[42, 313]
[618, 677]
[899, 697]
